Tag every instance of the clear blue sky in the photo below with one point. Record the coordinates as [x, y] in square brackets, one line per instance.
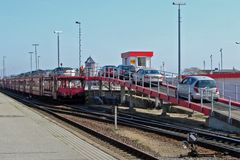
[110, 27]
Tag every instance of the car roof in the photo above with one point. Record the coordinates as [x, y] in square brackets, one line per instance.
[200, 77]
[121, 65]
[147, 69]
[109, 66]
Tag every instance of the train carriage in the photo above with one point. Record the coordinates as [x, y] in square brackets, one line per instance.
[70, 87]
[61, 83]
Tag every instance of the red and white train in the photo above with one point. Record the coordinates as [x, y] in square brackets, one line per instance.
[60, 83]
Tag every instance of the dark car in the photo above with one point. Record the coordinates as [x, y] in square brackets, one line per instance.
[108, 71]
[125, 71]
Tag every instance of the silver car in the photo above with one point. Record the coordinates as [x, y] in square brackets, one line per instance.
[198, 86]
[147, 76]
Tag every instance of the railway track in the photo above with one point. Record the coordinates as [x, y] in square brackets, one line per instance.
[209, 139]
[206, 138]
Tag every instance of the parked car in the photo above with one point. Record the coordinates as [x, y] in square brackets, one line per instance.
[64, 71]
[147, 75]
[196, 85]
[125, 71]
[108, 71]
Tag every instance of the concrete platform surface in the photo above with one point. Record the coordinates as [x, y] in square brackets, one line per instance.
[26, 135]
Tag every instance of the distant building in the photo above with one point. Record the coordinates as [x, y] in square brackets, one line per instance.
[90, 67]
[216, 71]
[139, 59]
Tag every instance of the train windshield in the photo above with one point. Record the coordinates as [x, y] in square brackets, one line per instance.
[70, 83]
[75, 84]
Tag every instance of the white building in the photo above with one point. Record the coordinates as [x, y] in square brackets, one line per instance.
[139, 59]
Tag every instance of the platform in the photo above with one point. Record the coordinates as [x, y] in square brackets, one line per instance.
[26, 135]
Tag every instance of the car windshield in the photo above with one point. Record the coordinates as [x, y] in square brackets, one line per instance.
[110, 67]
[206, 84]
[127, 68]
[151, 72]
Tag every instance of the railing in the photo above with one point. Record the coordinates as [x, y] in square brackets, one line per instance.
[168, 85]
[229, 90]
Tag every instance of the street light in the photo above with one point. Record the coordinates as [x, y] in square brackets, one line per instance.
[38, 61]
[211, 61]
[204, 64]
[179, 37]
[31, 53]
[80, 56]
[221, 59]
[163, 65]
[4, 69]
[58, 32]
[35, 45]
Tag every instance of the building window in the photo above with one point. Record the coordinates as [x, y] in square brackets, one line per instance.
[142, 61]
[125, 61]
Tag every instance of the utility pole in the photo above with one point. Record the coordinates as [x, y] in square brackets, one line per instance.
[58, 48]
[204, 64]
[31, 81]
[211, 61]
[79, 41]
[179, 37]
[221, 59]
[31, 53]
[38, 61]
[35, 46]
[163, 65]
[4, 69]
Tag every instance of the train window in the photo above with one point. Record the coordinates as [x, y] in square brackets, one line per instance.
[58, 83]
[75, 83]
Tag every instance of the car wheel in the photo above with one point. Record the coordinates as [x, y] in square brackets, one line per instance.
[177, 94]
[191, 98]
[133, 82]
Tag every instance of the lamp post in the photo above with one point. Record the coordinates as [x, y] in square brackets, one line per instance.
[163, 65]
[179, 37]
[31, 53]
[79, 32]
[58, 49]
[4, 69]
[38, 61]
[35, 46]
[211, 61]
[221, 59]
[204, 64]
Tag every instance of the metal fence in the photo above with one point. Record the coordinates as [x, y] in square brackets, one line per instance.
[229, 90]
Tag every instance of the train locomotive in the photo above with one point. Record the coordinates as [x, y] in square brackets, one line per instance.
[62, 83]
